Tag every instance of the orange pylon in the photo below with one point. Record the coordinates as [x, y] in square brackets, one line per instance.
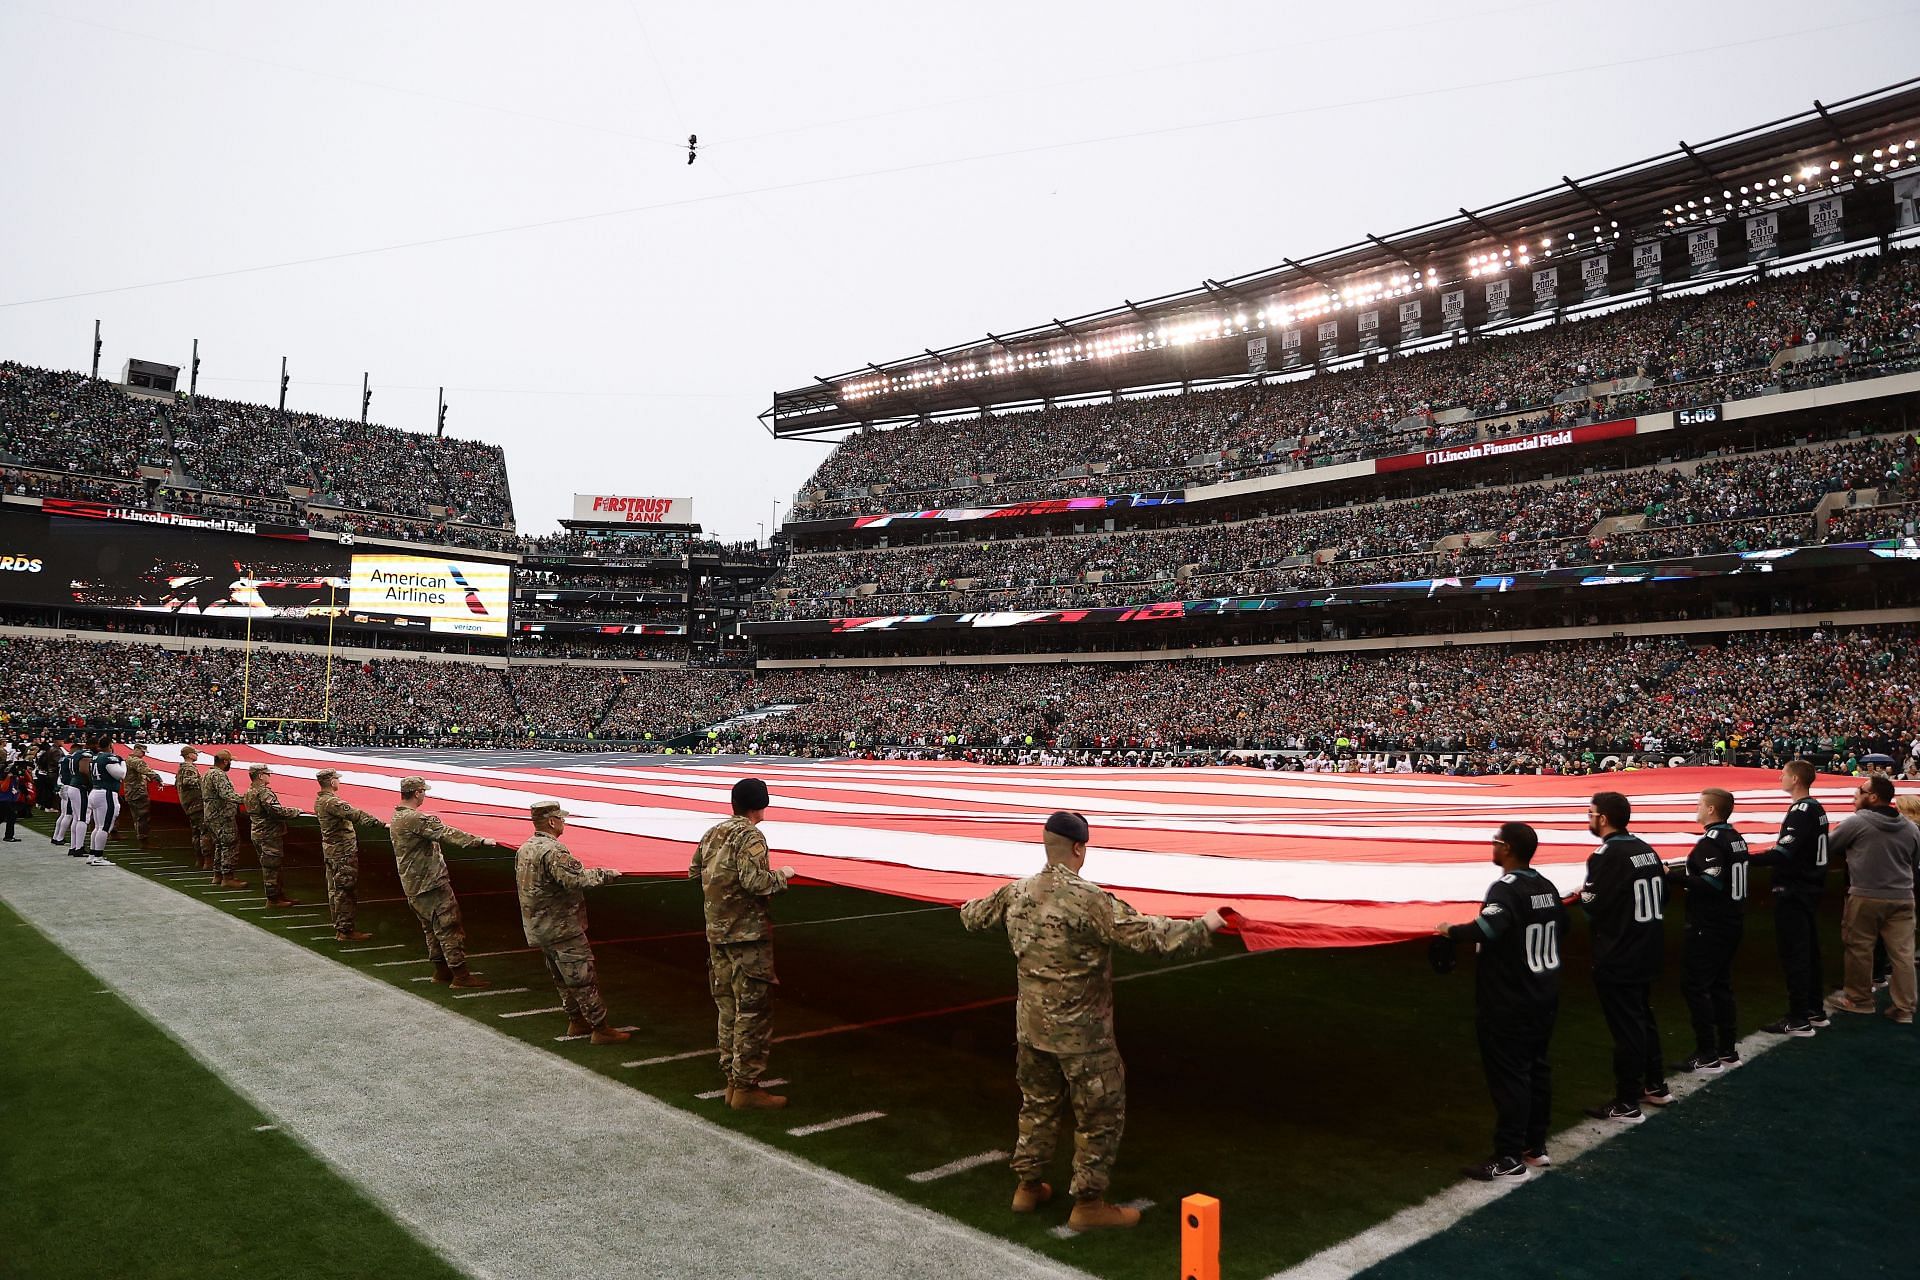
[1200, 1238]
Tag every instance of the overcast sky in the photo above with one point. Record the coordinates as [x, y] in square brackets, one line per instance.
[495, 197]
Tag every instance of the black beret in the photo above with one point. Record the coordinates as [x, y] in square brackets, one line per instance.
[749, 794]
[1071, 825]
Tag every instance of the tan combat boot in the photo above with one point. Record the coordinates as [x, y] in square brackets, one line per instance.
[1094, 1215]
[463, 977]
[1029, 1196]
[283, 902]
[754, 1099]
[233, 882]
[351, 936]
[610, 1035]
[442, 974]
[578, 1026]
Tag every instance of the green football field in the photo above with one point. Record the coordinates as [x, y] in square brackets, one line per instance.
[1314, 1092]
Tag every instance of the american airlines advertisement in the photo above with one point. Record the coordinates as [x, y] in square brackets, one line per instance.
[458, 597]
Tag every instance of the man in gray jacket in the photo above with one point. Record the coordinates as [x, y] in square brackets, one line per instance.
[1881, 848]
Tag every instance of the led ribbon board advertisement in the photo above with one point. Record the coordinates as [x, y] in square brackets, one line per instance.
[461, 597]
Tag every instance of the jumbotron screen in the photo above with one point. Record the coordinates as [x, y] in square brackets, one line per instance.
[120, 560]
[463, 597]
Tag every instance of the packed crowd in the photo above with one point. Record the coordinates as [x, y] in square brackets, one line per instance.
[1740, 502]
[1765, 695]
[154, 691]
[67, 423]
[1772, 693]
[1655, 352]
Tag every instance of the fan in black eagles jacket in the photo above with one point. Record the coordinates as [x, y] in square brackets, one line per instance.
[1625, 899]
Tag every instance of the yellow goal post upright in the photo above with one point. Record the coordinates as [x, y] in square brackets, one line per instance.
[326, 688]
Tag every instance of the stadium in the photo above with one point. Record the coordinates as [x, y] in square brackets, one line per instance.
[1295, 590]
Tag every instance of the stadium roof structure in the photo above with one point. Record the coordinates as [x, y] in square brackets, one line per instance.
[1862, 144]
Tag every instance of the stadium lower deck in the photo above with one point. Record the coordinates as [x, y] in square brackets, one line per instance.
[1317, 1093]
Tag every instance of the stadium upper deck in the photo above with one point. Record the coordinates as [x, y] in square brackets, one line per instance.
[1830, 175]
[65, 435]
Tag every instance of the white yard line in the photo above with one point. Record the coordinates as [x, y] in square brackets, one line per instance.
[897, 1018]
[823, 1126]
[1443, 1209]
[528, 1013]
[497, 991]
[588, 1036]
[961, 1165]
[391, 946]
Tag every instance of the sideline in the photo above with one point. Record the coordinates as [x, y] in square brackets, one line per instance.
[507, 1159]
[1445, 1208]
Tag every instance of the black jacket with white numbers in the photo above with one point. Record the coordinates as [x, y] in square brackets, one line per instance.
[1625, 898]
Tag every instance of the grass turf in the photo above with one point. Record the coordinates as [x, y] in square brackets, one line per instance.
[1314, 1092]
[1795, 1165]
[120, 1155]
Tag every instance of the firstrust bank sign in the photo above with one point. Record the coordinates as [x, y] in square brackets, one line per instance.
[608, 508]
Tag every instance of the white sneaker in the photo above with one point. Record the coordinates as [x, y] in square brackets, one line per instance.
[97, 861]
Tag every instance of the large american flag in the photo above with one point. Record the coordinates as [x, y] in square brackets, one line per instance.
[1307, 859]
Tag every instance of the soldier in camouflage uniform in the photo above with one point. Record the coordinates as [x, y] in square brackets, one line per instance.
[186, 783]
[340, 851]
[140, 776]
[735, 881]
[428, 886]
[1063, 929]
[267, 820]
[553, 910]
[220, 807]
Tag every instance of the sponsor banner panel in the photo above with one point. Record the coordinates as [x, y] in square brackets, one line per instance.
[462, 597]
[1511, 445]
[609, 508]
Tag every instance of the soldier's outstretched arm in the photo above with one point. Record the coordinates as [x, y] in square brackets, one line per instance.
[989, 912]
[438, 830]
[753, 871]
[1152, 935]
[567, 870]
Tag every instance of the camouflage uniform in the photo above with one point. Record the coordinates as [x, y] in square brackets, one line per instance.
[553, 910]
[186, 782]
[340, 850]
[1063, 929]
[140, 776]
[423, 876]
[220, 804]
[731, 866]
[267, 819]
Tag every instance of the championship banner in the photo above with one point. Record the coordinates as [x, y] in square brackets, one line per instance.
[1289, 348]
[606, 508]
[1703, 250]
[1409, 320]
[1256, 355]
[1329, 335]
[1516, 444]
[1646, 264]
[1498, 291]
[1593, 276]
[1453, 310]
[1763, 237]
[1824, 222]
[1906, 202]
[1546, 288]
[461, 597]
[1369, 330]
